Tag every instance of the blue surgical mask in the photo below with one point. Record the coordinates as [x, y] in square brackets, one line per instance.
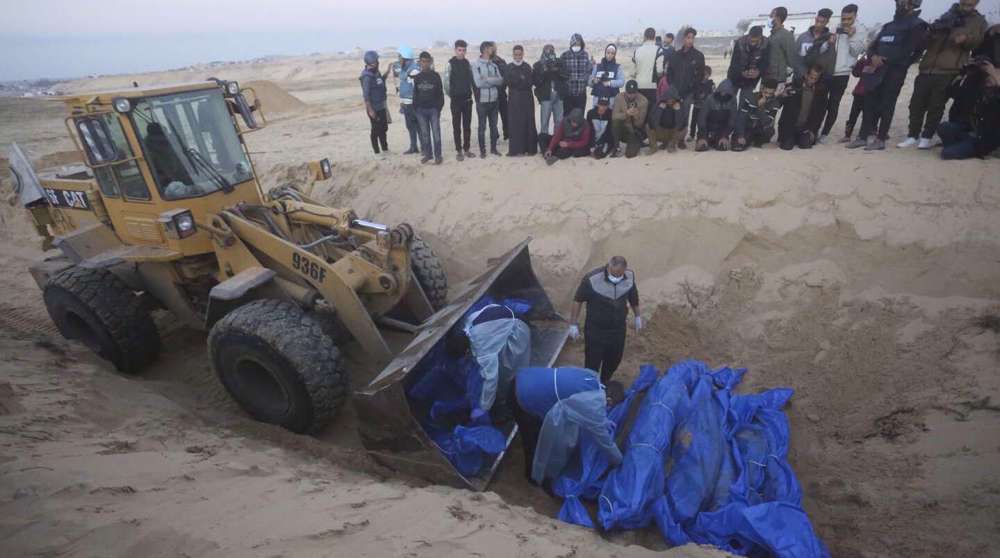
[616, 280]
[575, 48]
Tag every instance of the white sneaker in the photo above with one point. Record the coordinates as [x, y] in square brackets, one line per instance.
[909, 142]
[925, 143]
[823, 140]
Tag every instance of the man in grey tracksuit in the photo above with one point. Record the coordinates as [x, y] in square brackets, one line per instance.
[488, 79]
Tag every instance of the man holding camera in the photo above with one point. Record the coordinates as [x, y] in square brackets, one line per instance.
[952, 37]
[850, 43]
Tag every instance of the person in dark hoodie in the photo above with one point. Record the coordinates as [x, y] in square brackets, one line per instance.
[578, 66]
[460, 88]
[804, 106]
[701, 94]
[718, 119]
[428, 100]
[749, 62]
[663, 121]
[899, 44]
[550, 88]
[980, 135]
[521, 106]
[756, 118]
[599, 118]
[374, 94]
[573, 138]
[685, 70]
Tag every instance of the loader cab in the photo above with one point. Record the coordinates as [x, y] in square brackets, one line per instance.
[165, 158]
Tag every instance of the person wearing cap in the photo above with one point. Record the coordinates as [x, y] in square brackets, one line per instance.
[428, 100]
[519, 78]
[573, 138]
[408, 68]
[898, 45]
[749, 62]
[373, 92]
[781, 48]
[599, 118]
[550, 88]
[578, 66]
[488, 80]
[685, 69]
[647, 65]
[607, 78]
[628, 119]
[851, 39]
[608, 291]
[460, 88]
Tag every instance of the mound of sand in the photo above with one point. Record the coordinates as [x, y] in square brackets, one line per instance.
[275, 100]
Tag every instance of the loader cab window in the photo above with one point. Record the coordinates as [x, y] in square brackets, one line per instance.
[190, 143]
[124, 177]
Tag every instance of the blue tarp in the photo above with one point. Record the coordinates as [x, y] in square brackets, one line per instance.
[703, 464]
[447, 390]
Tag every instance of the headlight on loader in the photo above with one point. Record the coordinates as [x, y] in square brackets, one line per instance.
[178, 223]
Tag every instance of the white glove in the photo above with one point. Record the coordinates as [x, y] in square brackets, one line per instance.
[638, 323]
[574, 332]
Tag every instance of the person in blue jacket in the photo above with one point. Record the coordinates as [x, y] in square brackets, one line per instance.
[551, 406]
[607, 78]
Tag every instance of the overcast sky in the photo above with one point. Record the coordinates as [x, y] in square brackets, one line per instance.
[70, 38]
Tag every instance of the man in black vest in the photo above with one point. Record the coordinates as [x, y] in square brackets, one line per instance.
[608, 292]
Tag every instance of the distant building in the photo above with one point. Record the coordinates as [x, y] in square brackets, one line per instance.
[796, 23]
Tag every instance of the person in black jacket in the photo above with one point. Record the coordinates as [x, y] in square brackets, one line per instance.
[502, 98]
[702, 92]
[551, 88]
[757, 115]
[686, 68]
[899, 44]
[804, 105]
[599, 118]
[980, 134]
[460, 88]
[428, 100]
[718, 119]
[749, 62]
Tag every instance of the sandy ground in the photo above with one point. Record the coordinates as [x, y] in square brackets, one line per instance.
[865, 281]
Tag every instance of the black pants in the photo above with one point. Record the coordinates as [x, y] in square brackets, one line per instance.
[566, 152]
[487, 112]
[693, 128]
[575, 101]
[603, 352]
[930, 95]
[857, 105]
[838, 85]
[760, 135]
[461, 123]
[880, 104]
[380, 125]
[502, 106]
[528, 427]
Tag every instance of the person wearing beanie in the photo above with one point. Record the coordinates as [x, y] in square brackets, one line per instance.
[428, 100]
[550, 88]
[898, 45]
[460, 88]
[607, 78]
[373, 92]
[408, 69]
[578, 66]
[628, 120]
[599, 118]
[488, 80]
[521, 106]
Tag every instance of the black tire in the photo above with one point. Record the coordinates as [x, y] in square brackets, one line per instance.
[430, 273]
[95, 307]
[279, 366]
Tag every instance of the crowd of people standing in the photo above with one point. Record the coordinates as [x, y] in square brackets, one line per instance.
[781, 85]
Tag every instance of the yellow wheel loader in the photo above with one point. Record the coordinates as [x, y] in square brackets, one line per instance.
[300, 300]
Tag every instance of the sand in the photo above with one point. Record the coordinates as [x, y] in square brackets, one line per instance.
[861, 280]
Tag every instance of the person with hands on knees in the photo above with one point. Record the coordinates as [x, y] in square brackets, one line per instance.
[608, 292]
[553, 407]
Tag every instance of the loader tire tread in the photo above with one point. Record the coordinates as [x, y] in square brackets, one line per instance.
[305, 361]
[123, 329]
[430, 272]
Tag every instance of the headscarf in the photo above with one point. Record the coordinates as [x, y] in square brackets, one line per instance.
[573, 125]
[612, 47]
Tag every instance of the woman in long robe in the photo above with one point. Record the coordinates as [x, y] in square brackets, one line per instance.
[521, 106]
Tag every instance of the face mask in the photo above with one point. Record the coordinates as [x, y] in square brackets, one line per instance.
[575, 48]
[616, 280]
[771, 24]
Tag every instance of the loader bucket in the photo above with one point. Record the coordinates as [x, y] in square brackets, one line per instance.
[389, 426]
